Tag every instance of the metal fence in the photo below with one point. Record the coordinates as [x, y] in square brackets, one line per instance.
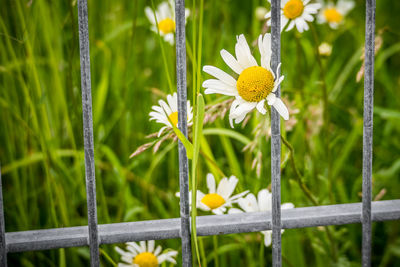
[94, 235]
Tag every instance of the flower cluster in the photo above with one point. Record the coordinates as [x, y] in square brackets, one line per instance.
[219, 200]
[253, 84]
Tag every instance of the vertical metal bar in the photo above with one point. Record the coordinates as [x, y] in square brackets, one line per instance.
[88, 132]
[182, 124]
[368, 132]
[3, 251]
[276, 139]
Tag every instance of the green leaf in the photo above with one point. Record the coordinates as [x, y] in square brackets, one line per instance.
[387, 113]
[184, 140]
[198, 128]
[227, 132]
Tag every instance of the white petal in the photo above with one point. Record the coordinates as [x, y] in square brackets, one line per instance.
[221, 75]
[161, 258]
[276, 85]
[218, 211]
[235, 198]
[244, 107]
[210, 183]
[299, 24]
[281, 108]
[157, 251]
[216, 86]
[173, 102]
[231, 61]
[135, 246]
[164, 11]
[260, 107]
[234, 211]
[271, 98]
[249, 203]
[143, 245]
[223, 188]
[291, 25]
[122, 252]
[169, 38]
[150, 245]
[230, 188]
[286, 206]
[243, 53]
[150, 15]
[165, 106]
[284, 21]
[264, 200]
[267, 238]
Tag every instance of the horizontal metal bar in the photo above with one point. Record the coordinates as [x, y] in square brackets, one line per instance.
[206, 226]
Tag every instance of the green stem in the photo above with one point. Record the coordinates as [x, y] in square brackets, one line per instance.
[194, 214]
[325, 125]
[298, 176]
[107, 257]
[202, 251]
[199, 46]
[215, 241]
[308, 193]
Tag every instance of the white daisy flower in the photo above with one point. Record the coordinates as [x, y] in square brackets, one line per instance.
[254, 85]
[165, 15]
[144, 255]
[334, 14]
[263, 202]
[296, 13]
[164, 111]
[217, 201]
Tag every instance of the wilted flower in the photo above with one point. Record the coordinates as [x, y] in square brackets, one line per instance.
[254, 85]
[263, 202]
[296, 13]
[143, 255]
[164, 22]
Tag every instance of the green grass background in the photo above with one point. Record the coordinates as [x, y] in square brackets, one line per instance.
[41, 142]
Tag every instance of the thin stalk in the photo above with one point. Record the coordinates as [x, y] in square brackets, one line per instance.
[202, 252]
[194, 63]
[215, 242]
[298, 176]
[194, 214]
[107, 257]
[199, 46]
[262, 249]
[308, 193]
[325, 115]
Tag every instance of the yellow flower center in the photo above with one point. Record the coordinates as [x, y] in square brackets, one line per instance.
[213, 201]
[166, 26]
[174, 118]
[293, 9]
[332, 15]
[146, 259]
[255, 83]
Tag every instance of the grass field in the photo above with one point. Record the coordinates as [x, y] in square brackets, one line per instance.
[41, 142]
